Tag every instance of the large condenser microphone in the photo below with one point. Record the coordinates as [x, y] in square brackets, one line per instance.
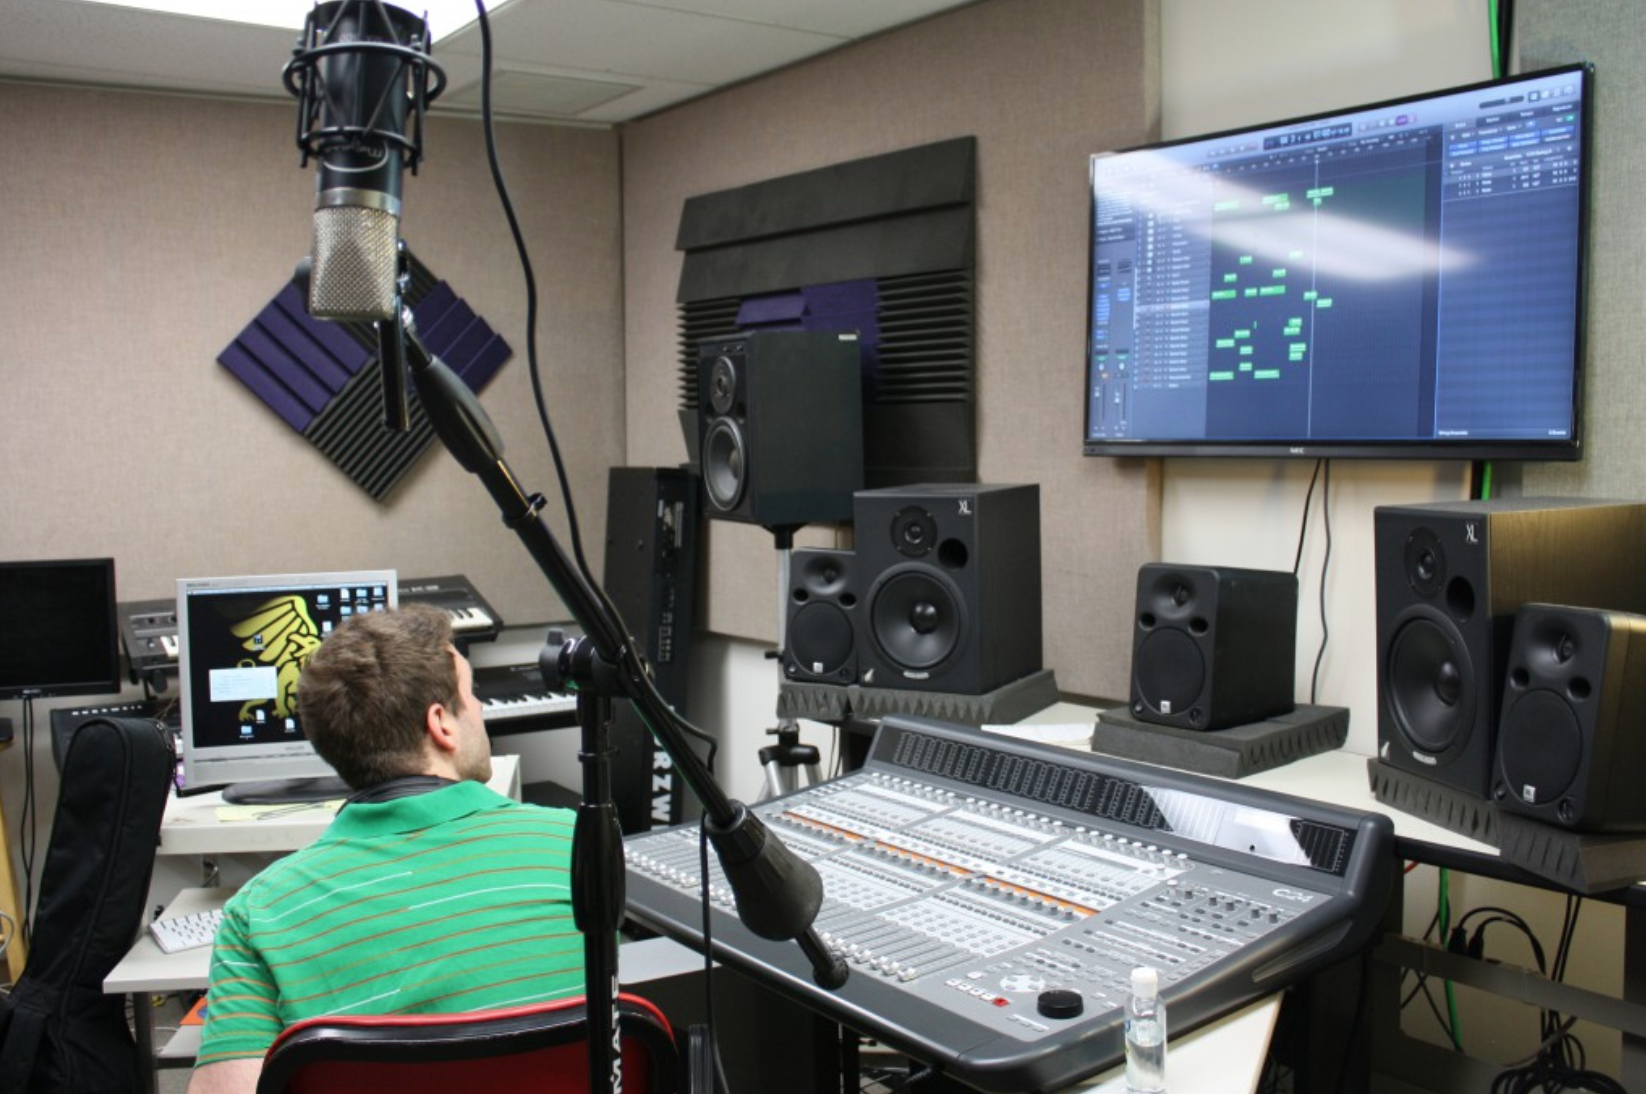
[361, 74]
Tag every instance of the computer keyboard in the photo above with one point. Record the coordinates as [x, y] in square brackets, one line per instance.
[186, 932]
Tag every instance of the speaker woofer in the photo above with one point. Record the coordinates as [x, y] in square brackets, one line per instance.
[916, 618]
[724, 463]
[1171, 673]
[821, 640]
[1431, 687]
[1540, 743]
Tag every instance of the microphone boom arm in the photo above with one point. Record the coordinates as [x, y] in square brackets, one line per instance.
[777, 893]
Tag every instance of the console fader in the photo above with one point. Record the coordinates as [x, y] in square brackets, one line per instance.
[992, 896]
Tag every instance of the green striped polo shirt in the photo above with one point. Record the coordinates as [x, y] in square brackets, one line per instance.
[454, 900]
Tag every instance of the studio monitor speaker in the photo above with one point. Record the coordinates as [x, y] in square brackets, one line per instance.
[952, 573]
[1571, 740]
[1450, 577]
[1213, 646]
[820, 631]
[780, 427]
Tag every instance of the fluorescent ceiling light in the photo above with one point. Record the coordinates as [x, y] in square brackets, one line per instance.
[446, 17]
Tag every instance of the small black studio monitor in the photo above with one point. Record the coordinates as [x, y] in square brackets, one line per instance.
[1571, 740]
[820, 631]
[780, 427]
[1450, 578]
[1213, 646]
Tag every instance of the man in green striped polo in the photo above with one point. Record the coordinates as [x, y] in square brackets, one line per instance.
[429, 893]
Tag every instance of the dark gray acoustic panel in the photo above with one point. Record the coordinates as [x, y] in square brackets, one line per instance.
[883, 247]
[1004, 705]
[1583, 862]
[904, 182]
[1454, 809]
[1230, 753]
[323, 378]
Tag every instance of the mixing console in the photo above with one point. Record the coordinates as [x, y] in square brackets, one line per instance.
[992, 897]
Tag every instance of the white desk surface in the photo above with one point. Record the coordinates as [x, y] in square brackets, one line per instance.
[146, 968]
[1337, 777]
[1221, 1058]
[192, 825]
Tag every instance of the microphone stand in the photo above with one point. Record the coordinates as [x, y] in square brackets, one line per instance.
[777, 894]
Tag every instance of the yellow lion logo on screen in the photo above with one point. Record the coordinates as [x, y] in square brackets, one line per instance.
[281, 633]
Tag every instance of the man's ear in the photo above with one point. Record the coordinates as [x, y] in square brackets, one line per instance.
[440, 725]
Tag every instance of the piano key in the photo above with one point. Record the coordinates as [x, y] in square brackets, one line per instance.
[514, 699]
[470, 619]
[528, 706]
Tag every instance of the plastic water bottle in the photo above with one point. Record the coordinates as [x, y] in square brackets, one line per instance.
[1145, 1034]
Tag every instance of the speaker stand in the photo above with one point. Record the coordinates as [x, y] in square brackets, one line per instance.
[837, 703]
[788, 759]
[1451, 807]
[785, 761]
[1582, 862]
[1231, 753]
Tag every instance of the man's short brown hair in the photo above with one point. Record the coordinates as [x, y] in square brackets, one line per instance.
[365, 693]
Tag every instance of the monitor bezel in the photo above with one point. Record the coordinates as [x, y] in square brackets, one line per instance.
[1563, 449]
[227, 765]
[108, 678]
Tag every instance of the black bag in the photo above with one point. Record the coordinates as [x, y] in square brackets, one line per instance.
[59, 1034]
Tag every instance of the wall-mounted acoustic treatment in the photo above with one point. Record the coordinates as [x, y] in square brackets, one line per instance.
[883, 247]
[322, 378]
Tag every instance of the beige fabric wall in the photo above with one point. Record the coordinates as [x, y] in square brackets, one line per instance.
[1041, 84]
[1606, 33]
[140, 233]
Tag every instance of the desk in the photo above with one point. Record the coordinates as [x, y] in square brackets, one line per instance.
[192, 826]
[1341, 777]
[146, 970]
[1219, 1058]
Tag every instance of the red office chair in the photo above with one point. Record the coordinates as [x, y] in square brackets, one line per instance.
[542, 1048]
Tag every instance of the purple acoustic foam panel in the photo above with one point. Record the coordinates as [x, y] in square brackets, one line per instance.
[323, 380]
[839, 306]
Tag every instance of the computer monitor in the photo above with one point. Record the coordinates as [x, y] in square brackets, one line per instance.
[242, 643]
[1397, 280]
[59, 632]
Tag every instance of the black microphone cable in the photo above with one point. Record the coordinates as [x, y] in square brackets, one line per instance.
[574, 532]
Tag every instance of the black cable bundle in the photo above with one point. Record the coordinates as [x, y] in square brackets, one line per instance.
[1559, 1062]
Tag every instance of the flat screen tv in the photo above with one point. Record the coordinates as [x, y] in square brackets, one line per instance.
[1402, 280]
[242, 643]
[59, 633]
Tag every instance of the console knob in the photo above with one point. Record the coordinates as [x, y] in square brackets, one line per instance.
[1061, 1003]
